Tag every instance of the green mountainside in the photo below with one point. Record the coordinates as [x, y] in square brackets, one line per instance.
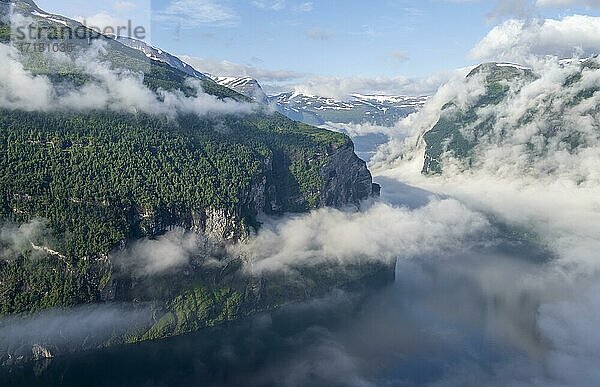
[464, 133]
[95, 181]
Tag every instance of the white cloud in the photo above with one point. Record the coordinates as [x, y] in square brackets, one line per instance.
[551, 199]
[18, 87]
[333, 87]
[118, 19]
[231, 69]
[517, 40]
[275, 5]
[567, 3]
[16, 240]
[511, 8]
[196, 13]
[165, 254]
[277, 81]
[304, 7]
[124, 5]
[118, 90]
[524, 9]
[102, 22]
[507, 149]
[382, 233]
[341, 88]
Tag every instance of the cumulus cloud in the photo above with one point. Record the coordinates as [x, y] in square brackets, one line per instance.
[196, 13]
[406, 141]
[511, 8]
[124, 5]
[519, 40]
[274, 5]
[102, 22]
[231, 69]
[567, 3]
[341, 88]
[18, 87]
[537, 146]
[524, 9]
[382, 233]
[16, 240]
[165, 254]
[118, 90]
[304, 7]
[277, 81]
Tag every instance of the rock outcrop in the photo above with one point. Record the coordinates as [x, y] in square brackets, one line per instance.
[346, 178]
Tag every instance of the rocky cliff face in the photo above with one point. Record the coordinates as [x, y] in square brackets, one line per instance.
[346, 178]
[345, 181]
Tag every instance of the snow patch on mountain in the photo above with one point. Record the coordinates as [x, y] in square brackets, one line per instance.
[245, 85]
[161, 56]
[357, 109]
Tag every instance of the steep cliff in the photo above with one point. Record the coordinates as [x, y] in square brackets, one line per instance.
[347, 179]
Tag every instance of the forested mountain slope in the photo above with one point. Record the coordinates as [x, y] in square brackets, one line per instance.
[105, 149]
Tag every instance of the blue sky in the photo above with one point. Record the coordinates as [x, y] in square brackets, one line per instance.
[327, 38]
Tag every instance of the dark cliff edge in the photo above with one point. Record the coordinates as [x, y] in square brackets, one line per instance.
[343, 180]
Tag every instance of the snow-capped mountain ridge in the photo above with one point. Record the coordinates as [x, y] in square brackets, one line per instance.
[161, 56]
[401, 100]
[244, 85]
[358, 108]
[316, 102]
[314, 110]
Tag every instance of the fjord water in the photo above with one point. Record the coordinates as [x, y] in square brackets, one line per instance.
[438, 322]
[449, 318]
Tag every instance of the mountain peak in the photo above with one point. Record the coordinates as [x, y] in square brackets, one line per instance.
[244, 85]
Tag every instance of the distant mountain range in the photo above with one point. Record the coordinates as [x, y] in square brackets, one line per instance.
[381, 110]
[357, 109]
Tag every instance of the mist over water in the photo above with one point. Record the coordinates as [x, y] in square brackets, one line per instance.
[464, 314]
[436, 323]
